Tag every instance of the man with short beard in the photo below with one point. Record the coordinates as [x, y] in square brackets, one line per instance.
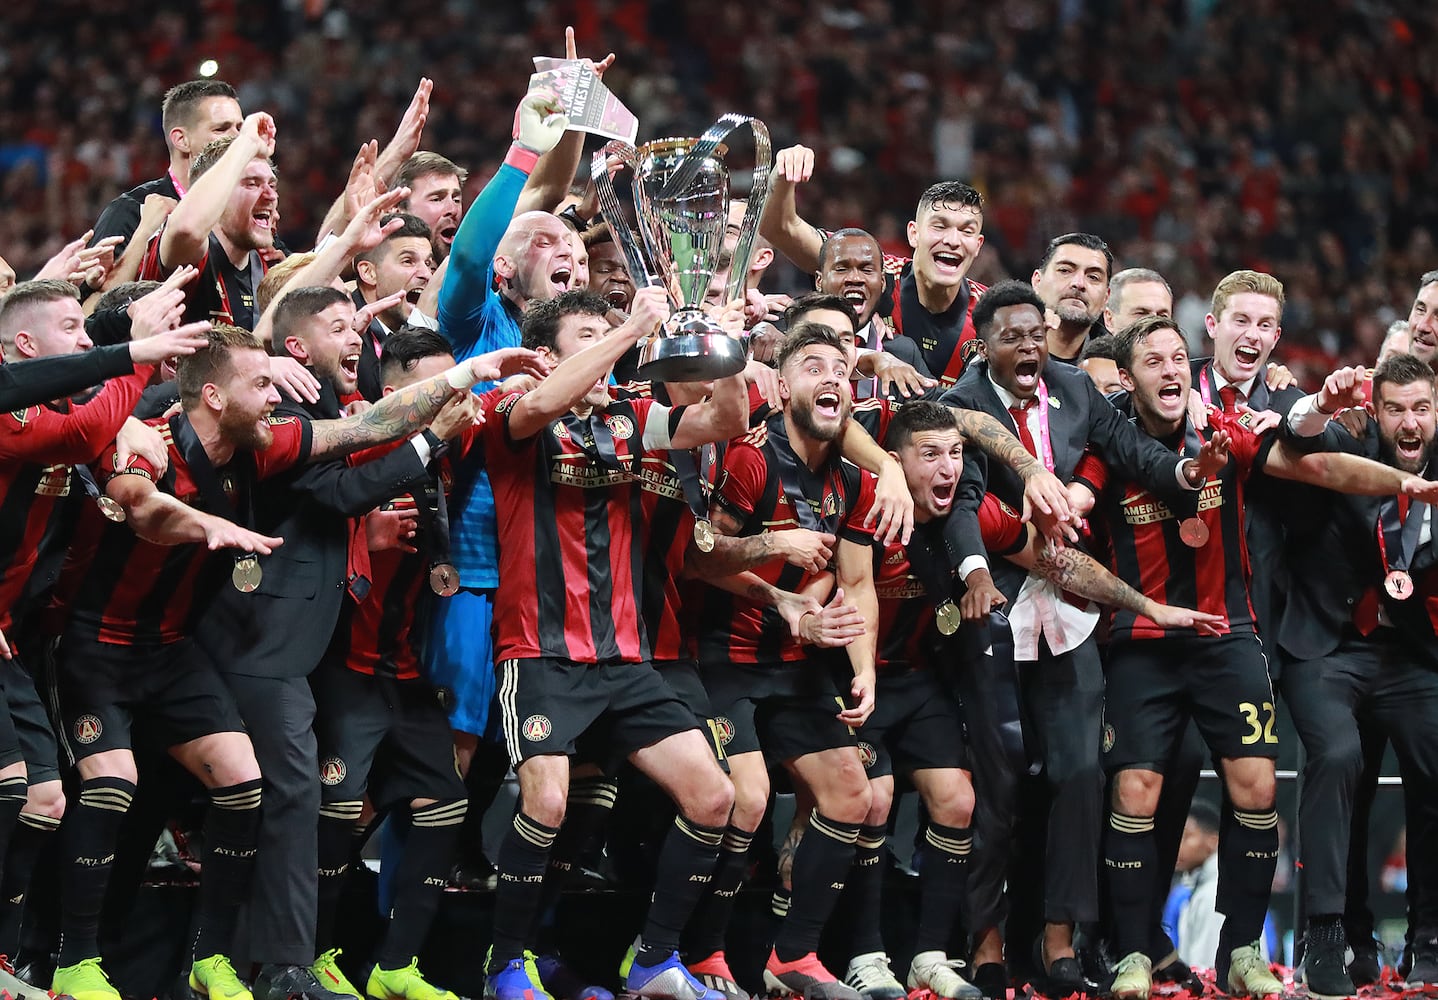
[436, 193]
[1072, 279]
[402, 264]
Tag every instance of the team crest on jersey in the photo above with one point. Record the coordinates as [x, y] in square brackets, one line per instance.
[537, 728]
[560, 431]
[620, 426]
[88, 729]
[504, 404]
[21, 417]
[868, 754]
[1108, 737]
[969, 349]
[724, 728]
[333, 771]
[829, 506]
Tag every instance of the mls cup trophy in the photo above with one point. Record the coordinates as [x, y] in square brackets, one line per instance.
[681, 204]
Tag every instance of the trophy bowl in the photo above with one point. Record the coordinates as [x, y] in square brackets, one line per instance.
[692, 350]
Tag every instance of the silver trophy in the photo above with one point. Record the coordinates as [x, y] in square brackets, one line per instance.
[681, 204]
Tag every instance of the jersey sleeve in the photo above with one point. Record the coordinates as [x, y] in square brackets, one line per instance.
[42, 435]
[1001, 526]
[108, 466]
[497, 407]
[854, 529]
[290, 447]
[741, 480]
[1092, 472]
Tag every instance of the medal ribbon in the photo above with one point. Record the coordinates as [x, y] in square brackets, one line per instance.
[788, 464]
[930, 569]
[207, 481]
[690, 481]
[1399, 524]
[593, 437]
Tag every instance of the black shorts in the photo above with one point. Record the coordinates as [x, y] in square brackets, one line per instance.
[1154, 686]
[385, 737]
[682, 676]
[916, 724]
[173, 691]
[785, 709]
[547, 704]
[33, 731]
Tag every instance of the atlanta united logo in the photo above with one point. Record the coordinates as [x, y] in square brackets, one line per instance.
[1108, 737]
[620, 426]
[968, 349]
[333, 771]
[868, 755]
[87, 729]
[724, 729]
[537, 728]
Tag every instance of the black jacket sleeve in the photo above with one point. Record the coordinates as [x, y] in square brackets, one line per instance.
[961, 532]
[120, 218]
[1130, 454]
[30, 383]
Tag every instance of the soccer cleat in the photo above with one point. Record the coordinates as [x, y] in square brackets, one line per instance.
[1174, 970]
[1249, 974]
[292, 982]
[1323, 953]
[403, 984]
[1132, 978]
[871, 976]
[518, 980]
[805, 977]
[19, 989]
[327, 970]
[564, 983]
[666, 980]
[1424, 973]
[992, 979]
[936, 972]
[215, 977]
[84, 980]
[714, 973]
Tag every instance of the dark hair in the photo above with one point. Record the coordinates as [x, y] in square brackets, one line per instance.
[1126, 341]
[950, 194]
[1086, 240]
[210, 155]
[424, 163]
[183, 100]
[598, 233]
[846, 234]
[1002, 295]
[1100, 347]
[814, 301]
[805, 335]
[122, 295]
[411, 225]
[298, 305]
[1204, 815]
[211, 363]
[540, 325]
[917, 416]
[1400, 369]
[407, 347]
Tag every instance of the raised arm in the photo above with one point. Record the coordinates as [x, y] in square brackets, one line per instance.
[724, 415]
[160, 518]
[186, 235]
[780, 224]
[1346, 473]
[893, 506]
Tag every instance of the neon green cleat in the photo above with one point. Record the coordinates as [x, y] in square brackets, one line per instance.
[215, 977]
[327, 971]
[84, 980]
[403, 984]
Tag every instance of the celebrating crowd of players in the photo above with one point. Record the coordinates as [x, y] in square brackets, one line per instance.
[330, 527]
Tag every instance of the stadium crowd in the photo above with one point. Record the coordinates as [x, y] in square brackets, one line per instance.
[330, 470]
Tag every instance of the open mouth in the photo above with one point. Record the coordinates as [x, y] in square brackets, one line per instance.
[1027, 372]
[560, 278]
[828, 403]
[947, 260]
[856, 298]
[264, 219]
[1408, 446]
[413, 295]
[1246, 355]
[944, 494]
[1170, 392]
[446, 233]
[349, 365]
[617, 297]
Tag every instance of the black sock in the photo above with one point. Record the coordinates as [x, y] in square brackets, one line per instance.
[821, 866]
[590, 802]
[710, 922]
[943, 885]
[488, 767]
[523, 857]
[420, 880]
[338, 821]
[87, 844]
[1247, 857]
[866, 887]
[232, 830]
[12, 800]
[682, 878]
[1130, 857]
[31, 835]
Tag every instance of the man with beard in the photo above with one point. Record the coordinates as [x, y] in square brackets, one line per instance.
[787, 507]
[1423, 319]
[1362, 659]
[436, 197]
[1194, 549]
[225, 219]
[403, 264]
[932, 301]
[1072, 279]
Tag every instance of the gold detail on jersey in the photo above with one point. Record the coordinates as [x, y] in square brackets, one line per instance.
[620, 426]
[22, 417]
[1140, 508]
[54, 481]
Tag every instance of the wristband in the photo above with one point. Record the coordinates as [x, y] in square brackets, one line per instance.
[461, 376]
[1319, 409]
[521, 157]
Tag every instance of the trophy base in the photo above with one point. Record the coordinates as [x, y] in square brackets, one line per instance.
[692, 357]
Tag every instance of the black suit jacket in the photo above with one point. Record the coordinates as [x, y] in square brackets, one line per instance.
[1079, 417]
[283, 628]
[371, 384]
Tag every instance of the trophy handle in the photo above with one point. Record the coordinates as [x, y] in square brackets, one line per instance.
[609, 207]
[758, 194]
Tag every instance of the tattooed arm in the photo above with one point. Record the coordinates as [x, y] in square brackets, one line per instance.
[1045, 499]
[809, 550]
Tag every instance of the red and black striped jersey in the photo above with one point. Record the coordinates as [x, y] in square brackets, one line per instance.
[571, 567]
[118, 588]
[1141, 536]
[38, 446]
[735, 629]
[222, 293]
[907, 632]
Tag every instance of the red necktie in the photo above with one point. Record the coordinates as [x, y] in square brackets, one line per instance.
[1231, 402]
[1023, 424]
[1365, 612]
[357, 570]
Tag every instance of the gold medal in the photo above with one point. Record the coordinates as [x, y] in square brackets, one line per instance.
[1193, 532]
[111, 508]
[704, 535]
[947, 617]
[444, 579]
[1399, 585]
[247, 574]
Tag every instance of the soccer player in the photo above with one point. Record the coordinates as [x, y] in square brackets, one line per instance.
[560, 457]
[1097, 360]
[1194, 549]
[1072, 279]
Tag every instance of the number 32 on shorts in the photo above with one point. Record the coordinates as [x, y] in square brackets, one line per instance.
[1258, 730]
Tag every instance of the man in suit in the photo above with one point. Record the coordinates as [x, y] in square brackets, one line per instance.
[404, 264]
[1360, 635]
[1058, 414]
[1072, 279]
